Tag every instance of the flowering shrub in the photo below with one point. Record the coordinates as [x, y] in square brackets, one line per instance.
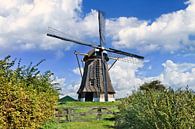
[27, 97]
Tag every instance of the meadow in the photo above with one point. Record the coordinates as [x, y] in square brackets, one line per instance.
[88, 121]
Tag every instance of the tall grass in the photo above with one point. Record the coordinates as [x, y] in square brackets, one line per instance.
[151, 109]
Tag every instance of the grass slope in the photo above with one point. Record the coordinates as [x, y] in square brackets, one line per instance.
[80, 125]
[84, 106]
[88, 104]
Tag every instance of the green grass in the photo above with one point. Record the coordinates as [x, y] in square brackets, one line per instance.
[88, 104]
[80, 125]
[104, 123]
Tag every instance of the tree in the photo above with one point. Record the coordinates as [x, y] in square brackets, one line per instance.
[154, 85]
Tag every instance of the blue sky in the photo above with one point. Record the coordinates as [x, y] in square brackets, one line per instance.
[162, 31]
[146, 10]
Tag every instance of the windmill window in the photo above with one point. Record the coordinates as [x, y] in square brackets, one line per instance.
[92, 82]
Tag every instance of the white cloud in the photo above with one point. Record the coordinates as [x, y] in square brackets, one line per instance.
[67, 88]
[178, 75]
[125, 78]
[77, 71]
[24, 23]
[169, 32]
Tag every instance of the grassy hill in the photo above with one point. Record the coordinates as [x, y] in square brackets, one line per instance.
[91, 122]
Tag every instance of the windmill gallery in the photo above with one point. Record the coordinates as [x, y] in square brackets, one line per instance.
[96, 84]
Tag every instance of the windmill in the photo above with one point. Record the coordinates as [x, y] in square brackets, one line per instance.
[96, 84]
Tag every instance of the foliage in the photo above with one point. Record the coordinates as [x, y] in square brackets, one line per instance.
[27, 97]
[153, 109]
[155, 85]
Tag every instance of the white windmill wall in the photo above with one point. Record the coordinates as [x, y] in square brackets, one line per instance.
[96, 99]
[99, 99]
[82, 99]
[110, 98]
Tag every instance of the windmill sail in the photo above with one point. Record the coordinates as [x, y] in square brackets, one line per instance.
[124, 53]
[59, 35]
[101, 21]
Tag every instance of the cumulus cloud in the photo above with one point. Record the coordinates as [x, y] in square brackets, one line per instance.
[124, 77]
[67, 88]
[169, 32]
[178, 75]
[24, 23]
[175, 75]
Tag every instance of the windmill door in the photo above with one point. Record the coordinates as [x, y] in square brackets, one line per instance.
[89, 96]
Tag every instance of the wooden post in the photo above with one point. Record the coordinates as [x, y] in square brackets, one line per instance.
[99, 113]
[67, 114]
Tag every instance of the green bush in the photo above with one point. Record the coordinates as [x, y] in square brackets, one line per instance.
[154, 85]
[27, 97]
[154, 109]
